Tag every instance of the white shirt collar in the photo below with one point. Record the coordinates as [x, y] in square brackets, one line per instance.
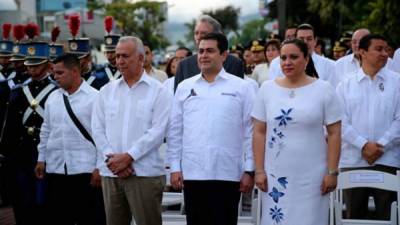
[84, 87]
[143, 78]
[361, 75]
[222, 74]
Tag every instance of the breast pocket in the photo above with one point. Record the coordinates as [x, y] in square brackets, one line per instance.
[387, 104]
[193, 104]
[228, 106]
[111, 112]
[144, 112]
[354, 107]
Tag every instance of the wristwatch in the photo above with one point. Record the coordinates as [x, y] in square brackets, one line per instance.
[333, 172]
[250, 173]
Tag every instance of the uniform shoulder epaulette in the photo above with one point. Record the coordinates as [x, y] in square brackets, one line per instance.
[21, 85]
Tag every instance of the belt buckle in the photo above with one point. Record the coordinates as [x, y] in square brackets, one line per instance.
[34, 104]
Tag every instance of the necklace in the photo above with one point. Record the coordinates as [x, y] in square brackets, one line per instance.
[291, 94]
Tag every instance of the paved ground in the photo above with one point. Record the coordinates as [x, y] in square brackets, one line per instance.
[6, 216]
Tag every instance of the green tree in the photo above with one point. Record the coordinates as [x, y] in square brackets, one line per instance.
[253, 30]
[95, 4]
[228, 18]
[143, 18]
[189, 36]
[379, 16]
[383, 18]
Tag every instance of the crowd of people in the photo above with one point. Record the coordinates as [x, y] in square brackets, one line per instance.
[79, 142]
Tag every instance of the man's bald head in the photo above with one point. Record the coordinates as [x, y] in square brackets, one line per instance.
[355, 39]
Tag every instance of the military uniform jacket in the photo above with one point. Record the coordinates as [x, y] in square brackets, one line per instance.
[25, 118]
[111, 72]
[6, 85]
[96, 77]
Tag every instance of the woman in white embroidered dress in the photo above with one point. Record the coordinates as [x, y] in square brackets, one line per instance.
[296, 165]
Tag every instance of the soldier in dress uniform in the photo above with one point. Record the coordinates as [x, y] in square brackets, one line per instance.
[110, 41]
[81, 47]
[22, 133]
[237, 50]
[248, 59]
[5, 53]
[17, 76]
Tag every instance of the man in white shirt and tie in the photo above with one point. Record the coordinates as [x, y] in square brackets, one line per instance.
[129, 123]
[209, 138]
[65, 155]
[370, 125]
[323, 68]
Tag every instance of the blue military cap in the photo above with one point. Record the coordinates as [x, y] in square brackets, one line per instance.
[79, 47]
[6, 48]
[111, 41]
[36, 53]
[55, 50]
[19, 52]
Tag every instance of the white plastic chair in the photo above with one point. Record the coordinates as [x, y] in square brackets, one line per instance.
[255, 217]
[371, 179]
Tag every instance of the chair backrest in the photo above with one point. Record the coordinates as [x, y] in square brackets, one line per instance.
[371, 179]
[255, 216]
[368, 178]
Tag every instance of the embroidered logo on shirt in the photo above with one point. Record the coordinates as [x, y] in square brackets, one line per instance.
[230, 94]
[381, 87]
[192, 93]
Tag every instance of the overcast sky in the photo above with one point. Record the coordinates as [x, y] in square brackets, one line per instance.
[185, 10]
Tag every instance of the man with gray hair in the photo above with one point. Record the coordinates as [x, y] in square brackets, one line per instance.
[129, 122]
[188, 67]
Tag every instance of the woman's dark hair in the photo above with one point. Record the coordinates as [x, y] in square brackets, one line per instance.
[322, 43]
[273, 42]
[299, 43]
[310, 69]
[168, 68]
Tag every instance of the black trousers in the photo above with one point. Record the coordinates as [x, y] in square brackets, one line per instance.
[71, 199]
[27, 197]
[211, 202]
[356, 199]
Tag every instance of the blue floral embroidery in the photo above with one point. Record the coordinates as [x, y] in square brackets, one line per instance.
[284, 118]
[270, 144]
[275, 194]
[282, 181]
[280, 184]
[276, 214]
[280, 135]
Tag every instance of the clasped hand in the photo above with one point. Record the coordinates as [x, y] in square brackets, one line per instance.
[372, 151]
[120, 164]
